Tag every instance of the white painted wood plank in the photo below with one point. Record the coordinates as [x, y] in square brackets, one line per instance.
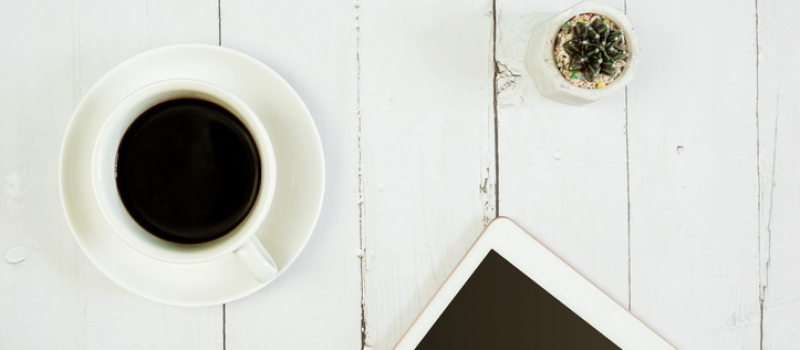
[41, 304]
[56, 298]
[779, 164]
[427, 146]
[563, 169]
[110, 33]
[316, 304]
[693, 173]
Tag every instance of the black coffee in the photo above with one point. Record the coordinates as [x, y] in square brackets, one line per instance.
[188, 171]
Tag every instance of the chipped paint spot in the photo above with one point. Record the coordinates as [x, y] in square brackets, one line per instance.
[506, 78]
[12, 185]
[18, 254]
[12, 182]
[487, 193]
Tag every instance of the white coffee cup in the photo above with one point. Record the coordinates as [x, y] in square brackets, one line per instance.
[241, 241]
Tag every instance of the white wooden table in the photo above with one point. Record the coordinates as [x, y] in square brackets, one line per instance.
[679, 196]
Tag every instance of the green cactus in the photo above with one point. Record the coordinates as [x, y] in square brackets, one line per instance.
[594, 48]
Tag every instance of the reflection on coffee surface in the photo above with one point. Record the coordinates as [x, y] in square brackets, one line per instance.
[188, 171]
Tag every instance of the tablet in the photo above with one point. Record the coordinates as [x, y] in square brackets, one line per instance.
[511, 292]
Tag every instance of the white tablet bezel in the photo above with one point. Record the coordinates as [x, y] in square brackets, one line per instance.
[553, 274]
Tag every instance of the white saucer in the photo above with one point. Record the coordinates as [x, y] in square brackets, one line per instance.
[298, 194]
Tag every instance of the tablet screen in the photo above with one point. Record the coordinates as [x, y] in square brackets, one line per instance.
[499, 307]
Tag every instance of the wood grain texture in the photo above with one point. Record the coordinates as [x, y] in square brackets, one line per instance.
[695, 226]
[693, 174]
[426, 105]
[563, 170]
[111, 32]
[317, 303]
[779, 171]
[41, 267]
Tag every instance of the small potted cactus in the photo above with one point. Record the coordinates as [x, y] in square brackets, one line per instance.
[590, 51]
[582, 54]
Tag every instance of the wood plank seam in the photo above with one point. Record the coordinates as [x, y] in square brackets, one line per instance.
[763, 237]
[761, 285]
[628, 180]
[765, 241]
[361, 207]
[628, 176]
[494, 110]
[224, 336]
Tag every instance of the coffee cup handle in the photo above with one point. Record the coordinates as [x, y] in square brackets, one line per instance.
[257, 260]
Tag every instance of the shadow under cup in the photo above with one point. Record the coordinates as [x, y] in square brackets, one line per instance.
[188, 171]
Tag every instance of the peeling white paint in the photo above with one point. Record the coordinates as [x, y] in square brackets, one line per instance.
[18, 254]
[12, 185]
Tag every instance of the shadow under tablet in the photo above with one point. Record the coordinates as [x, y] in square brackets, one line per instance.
[501, 308]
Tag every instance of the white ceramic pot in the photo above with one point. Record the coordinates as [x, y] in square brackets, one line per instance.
[541, 64]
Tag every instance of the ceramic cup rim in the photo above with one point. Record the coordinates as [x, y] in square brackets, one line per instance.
[104, 163]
